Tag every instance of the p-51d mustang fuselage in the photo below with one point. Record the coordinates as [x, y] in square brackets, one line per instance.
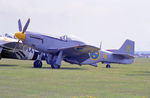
[72, 51]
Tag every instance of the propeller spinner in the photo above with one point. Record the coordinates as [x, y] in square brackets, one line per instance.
[22, 33]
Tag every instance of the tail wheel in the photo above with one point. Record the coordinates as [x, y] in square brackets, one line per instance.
[107, 66]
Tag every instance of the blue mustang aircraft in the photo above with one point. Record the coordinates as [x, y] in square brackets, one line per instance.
[72, 51]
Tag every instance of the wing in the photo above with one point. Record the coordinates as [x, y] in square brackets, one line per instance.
[76, 54]
[81, 49]
[76, 49]
[79, 53]
[12, 46]
[10, 43]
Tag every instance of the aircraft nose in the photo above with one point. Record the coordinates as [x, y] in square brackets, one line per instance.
[20, 35]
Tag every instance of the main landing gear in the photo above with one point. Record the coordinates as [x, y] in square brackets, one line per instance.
[54, 60]
[55, 66]
[38, 62]
[107, 66]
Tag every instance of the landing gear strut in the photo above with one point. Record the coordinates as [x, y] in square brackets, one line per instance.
[38, 62]
[54, 60]
[53, 63]
[51, 60]
[107, 66]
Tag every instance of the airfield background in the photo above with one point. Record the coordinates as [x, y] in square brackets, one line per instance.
[109, 21]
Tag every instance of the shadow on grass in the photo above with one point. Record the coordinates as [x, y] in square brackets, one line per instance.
[70, 68]
[147, 72]
[62, 68]
[138, 74]
[141, 73]
[6, 65]
[111, 67]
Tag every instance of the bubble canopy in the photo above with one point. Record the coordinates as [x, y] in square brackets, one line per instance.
[66, 37]
[69, 38]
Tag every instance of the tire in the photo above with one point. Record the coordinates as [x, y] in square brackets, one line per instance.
[37, 64]
[55, 66]
[107, 66]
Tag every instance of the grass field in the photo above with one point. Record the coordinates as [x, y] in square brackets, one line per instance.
[18, 79]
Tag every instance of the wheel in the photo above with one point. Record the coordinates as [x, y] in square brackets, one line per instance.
[55, 66]
[37, 64]
[107, 66]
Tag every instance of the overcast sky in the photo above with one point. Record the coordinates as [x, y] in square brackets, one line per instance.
[109, 21]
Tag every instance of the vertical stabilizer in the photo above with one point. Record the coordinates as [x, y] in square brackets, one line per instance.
[127, 48]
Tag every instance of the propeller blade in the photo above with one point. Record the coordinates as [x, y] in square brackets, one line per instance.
[15, 46]
[19, 25]
[26, 26]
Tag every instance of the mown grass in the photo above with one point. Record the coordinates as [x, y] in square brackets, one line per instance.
[18, 79]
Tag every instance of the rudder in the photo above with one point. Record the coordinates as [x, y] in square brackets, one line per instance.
[127, 47]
